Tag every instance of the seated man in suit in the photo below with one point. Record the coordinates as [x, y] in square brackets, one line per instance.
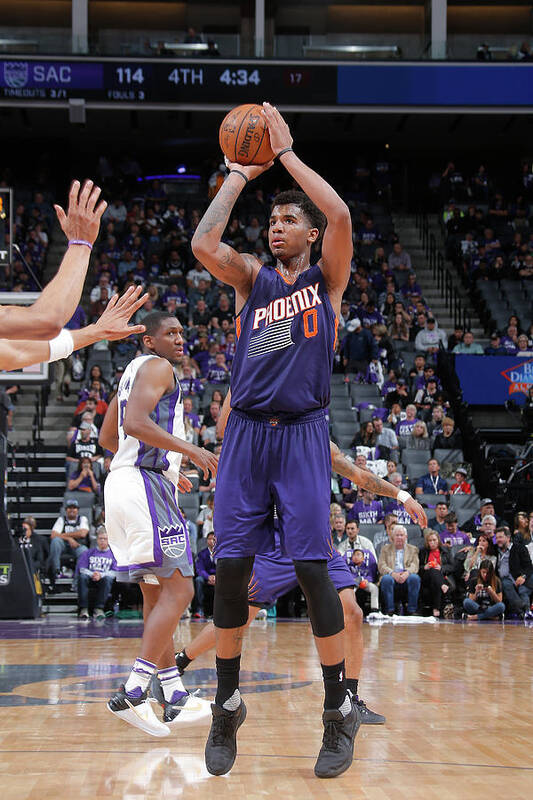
[205, 578]
[398, 566]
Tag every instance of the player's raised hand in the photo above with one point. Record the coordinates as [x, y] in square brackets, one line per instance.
[206, 461]
[113, 324]
[82, 221]
[251, 170]
[416, 512]
[279, 131]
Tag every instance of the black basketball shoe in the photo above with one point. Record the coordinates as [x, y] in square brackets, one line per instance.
[368, 717]
[221, 745]
[336, 753]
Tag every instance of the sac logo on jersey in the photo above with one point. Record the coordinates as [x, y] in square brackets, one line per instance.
[287, 307]
[173, 540]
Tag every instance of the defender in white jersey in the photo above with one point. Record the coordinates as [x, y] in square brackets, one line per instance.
[144, 428]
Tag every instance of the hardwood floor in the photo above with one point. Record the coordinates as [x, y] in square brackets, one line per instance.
[457, 699]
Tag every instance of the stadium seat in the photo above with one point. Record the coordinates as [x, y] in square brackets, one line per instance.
[370, 530]
[415, 457]
[453, 456]
[344, 415]
[190, 503]
[365, 393]
[430, 500]
[464, 505]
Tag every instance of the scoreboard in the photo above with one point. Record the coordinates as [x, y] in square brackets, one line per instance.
[167, 82]
[310, 85]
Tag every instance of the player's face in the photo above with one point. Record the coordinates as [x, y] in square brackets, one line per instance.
[289, 232]
[167, 342]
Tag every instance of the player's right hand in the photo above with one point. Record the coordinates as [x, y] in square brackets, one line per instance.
[251, 171]
[206, 461]
[82, 221]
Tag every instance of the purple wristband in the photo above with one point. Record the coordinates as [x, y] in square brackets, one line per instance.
[80, 241]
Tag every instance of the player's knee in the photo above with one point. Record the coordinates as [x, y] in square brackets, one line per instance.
[323, 603]
[233, 576]
[353, 616]
[231, 592]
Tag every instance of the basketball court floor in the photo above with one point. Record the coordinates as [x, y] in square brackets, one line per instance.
[457, 696]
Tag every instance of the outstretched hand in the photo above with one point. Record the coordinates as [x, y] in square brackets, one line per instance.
[113, 324]
[82, 221]
[279, 131]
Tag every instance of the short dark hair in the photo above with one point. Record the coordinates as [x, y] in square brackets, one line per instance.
[314, 215]
[152, 321]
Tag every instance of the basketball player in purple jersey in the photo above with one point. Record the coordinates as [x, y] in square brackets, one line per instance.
[273, 575]
[144, 427]
[276, 447]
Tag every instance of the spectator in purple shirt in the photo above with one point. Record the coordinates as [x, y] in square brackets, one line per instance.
[205, 578]
[364, 569]
[452, 535]
[218, 373]
[411, 287]
[95, 569]
[190, 386]
[510, 340]
[405, 426]
[368, 510]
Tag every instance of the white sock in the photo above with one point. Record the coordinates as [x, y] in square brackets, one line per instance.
[173, 688]
[140, 676]
[346, 706]
[233, 702]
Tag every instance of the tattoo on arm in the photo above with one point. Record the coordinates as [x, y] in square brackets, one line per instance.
[219, 210]
[362, 477]
[371, 482]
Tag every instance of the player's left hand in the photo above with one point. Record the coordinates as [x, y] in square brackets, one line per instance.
[251, 171]
[184, 484]
[113, 324]
[416, 512]
[279, 131]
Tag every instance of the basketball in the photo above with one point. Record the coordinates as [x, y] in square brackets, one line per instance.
[243, 136]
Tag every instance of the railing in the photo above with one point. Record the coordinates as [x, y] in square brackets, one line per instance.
[442, 275]
[38, 417]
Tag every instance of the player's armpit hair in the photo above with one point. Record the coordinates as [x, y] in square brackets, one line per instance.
[313, 214]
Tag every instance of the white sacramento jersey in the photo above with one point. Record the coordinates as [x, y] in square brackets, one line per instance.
[168, 414]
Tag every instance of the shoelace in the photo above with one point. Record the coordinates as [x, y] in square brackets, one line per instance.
[361, 705]
[219, 729]
[330, 740]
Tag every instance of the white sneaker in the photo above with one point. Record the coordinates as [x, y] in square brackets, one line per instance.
[187, 711]
[84, 615]
[262, 614]
[138, 712]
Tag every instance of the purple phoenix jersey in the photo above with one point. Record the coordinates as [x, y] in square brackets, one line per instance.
[273, 575]
[276, 447]
[286, 341]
